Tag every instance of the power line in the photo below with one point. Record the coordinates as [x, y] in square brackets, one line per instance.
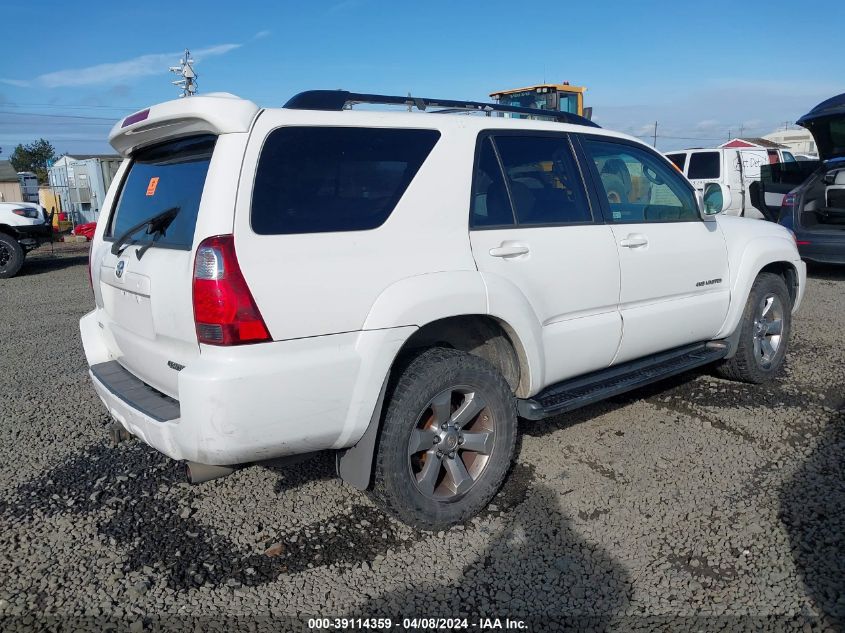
[72, 107]
[679, 138]
[111, 120]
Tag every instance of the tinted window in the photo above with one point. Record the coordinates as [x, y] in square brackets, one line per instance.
[490, 203]
[788, 157]
[639, 186]
[679, 160]
[161, 177]
[543, 179]
[703, 165]
[321, 179]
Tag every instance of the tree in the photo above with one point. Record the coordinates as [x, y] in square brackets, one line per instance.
[34, 157]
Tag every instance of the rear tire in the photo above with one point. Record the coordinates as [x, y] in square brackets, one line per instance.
[447, 440]
[764, 335]
[11, 256]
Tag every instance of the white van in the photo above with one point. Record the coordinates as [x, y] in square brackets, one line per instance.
[735, 168]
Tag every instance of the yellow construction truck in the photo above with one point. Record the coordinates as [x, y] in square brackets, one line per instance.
[557, 97]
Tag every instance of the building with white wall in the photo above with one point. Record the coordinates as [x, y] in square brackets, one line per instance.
[798, 140]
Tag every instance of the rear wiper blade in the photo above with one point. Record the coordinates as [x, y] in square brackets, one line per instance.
[154, 225]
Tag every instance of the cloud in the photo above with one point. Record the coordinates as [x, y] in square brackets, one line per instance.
[344, 5]
[142, 66]
[704, 115]
[708, 125]
[260, 35]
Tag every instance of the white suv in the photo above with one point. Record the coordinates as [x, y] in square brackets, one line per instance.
[399, 286]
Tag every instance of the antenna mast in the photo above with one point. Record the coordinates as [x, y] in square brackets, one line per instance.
[188, 82]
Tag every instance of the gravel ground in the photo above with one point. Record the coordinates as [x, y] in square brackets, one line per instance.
[695, 504]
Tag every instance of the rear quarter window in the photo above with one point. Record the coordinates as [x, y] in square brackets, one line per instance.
[704, 165]
[161, 177]
[679, 160]
[331, 179]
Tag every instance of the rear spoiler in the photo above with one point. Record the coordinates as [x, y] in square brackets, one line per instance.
[218, 113]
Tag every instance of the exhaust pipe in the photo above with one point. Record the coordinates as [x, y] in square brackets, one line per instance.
[199, 473]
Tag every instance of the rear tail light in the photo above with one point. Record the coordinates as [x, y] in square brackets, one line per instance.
[787, 206]
[789, 201]
[224, 310]
[27, 212]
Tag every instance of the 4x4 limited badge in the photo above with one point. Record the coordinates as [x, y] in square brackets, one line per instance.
[709, 282]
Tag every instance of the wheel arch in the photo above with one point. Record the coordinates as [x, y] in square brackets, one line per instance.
[9, 230]
[761, 255]
[451, 310]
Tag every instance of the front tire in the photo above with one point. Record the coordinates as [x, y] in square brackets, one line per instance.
[447, 440]
[11, 256]
[764, 335]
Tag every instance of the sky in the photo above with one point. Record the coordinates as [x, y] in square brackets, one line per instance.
[702, 71]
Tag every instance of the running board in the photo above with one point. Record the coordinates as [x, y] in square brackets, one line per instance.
[578, 392]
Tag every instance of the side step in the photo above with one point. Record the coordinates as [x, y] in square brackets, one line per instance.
[605, 383]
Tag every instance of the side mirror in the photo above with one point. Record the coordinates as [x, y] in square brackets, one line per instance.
[716, 199]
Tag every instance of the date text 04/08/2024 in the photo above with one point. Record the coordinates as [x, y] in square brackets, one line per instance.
[482, 624]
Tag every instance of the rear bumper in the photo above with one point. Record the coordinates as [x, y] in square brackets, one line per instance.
[824, 251]
[256, 402]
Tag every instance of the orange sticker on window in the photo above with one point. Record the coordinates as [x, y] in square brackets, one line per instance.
[151, 188]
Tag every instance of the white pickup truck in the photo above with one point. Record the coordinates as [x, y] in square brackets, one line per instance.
[24, 226]
[399, 287]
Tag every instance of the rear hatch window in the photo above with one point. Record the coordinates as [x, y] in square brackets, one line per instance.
[325, 179]
[166, 176]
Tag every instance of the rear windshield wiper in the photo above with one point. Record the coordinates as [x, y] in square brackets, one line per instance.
[155, 225]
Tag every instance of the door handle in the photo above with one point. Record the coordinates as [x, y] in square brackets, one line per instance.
[634, 240]
[506, 250]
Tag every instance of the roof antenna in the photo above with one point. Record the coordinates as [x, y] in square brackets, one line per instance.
[188, 83]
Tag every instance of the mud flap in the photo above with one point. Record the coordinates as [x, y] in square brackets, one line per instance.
[355, 464]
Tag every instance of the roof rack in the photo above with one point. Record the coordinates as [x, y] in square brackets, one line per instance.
[336, 100]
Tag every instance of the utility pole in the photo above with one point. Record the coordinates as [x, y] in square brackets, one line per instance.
[185, 69]
[741, 128]
[654, 144]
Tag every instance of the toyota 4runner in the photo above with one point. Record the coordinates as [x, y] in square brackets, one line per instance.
[399, 287]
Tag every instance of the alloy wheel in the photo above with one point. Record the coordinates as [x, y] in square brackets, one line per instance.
[451, 443]
[768, 330]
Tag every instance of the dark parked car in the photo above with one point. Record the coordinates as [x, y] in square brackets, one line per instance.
[808, 197]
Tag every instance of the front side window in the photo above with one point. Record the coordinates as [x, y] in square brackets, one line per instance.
[328, 179]
[704, 166]
[639, 186]
[167, 176]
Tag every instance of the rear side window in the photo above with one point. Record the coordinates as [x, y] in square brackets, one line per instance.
[166, 176]
[544, 182]
[491, 205]
[328, 179]
[541, 179]
[679, 160]
[703, 165]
